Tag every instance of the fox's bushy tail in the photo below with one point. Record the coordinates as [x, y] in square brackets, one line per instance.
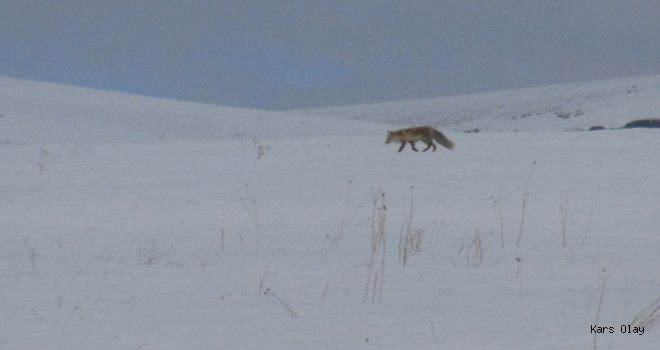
[442, 139]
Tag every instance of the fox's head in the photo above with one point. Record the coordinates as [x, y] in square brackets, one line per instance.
[390, 137]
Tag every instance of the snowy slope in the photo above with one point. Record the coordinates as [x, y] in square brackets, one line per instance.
[516, 240]
[608, 103]
[44, 113]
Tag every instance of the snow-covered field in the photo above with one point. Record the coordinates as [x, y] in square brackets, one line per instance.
[222, 235]
[567, 107]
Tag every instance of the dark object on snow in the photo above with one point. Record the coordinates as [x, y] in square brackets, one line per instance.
[596, 128]
[643, 123]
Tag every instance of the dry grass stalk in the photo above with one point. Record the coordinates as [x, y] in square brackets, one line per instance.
[376, 274]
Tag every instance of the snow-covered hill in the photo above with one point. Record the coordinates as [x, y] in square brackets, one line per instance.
[112, 237]
[44, 113]
[577, 106]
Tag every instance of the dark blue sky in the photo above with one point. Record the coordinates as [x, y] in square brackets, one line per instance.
[282, 54]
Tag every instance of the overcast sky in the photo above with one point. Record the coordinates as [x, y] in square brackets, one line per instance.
[282, 54]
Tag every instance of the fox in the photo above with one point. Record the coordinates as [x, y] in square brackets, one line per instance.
[425, 134]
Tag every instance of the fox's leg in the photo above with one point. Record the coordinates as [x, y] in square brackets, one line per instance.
[403, 144]
[412, 144]
[428, 145]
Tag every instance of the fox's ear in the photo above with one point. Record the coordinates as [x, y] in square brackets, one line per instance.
[389, 132]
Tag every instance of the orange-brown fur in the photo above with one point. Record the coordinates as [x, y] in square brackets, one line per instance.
[425, 134]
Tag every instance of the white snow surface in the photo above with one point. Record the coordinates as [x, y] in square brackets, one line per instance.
[46, 113]
[137, 223]
[576, 106]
